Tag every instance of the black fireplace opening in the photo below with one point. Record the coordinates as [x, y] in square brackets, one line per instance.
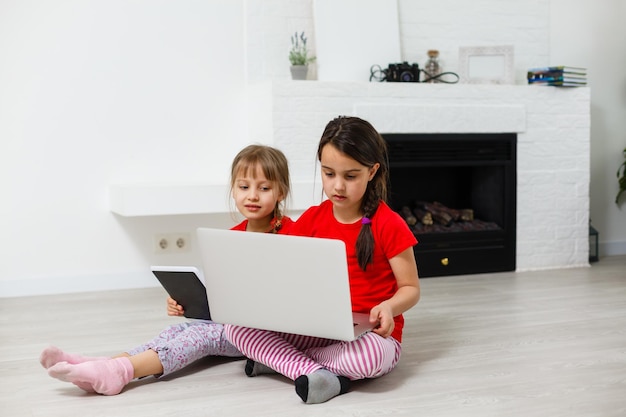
[457, 193]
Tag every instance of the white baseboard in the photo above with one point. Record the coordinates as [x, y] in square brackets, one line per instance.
[612, 248]
[74, 284]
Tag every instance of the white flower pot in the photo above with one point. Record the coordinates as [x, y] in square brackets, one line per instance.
[299, 72]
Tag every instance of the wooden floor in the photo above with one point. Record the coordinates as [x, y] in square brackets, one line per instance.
[546, 343]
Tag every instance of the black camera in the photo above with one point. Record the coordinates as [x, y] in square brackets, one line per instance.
[403, 72]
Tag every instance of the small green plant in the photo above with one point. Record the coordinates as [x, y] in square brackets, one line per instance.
[299, 53]
[621, 178]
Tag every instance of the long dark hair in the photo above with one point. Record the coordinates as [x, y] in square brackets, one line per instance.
[358, 139]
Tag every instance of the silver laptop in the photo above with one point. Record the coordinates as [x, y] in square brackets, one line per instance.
[284, 283]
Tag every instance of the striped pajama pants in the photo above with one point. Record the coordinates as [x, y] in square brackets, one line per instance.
[370, 356]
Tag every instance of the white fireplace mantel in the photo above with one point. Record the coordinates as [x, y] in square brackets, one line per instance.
[441, 118]
[552, 124]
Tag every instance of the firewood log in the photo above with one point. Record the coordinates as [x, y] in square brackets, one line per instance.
[467, 215]
[455, 214]
[439, 216]
[408, 217]
[423, 216]
[442, 217]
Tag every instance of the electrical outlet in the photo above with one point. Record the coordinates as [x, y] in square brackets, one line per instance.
[172, 242]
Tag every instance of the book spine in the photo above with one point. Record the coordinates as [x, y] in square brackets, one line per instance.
[556, 70]
[557, 79]
[559, 84]
[554, 75]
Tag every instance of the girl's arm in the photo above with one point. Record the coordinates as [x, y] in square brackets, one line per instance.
[404, 268]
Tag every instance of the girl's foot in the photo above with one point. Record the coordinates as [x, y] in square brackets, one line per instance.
[53, 355]
[321, 386]
[257, 368]
[107, 377]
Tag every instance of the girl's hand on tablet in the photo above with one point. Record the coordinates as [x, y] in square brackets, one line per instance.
[173, 308]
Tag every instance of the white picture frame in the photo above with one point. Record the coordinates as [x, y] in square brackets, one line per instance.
[486, 64]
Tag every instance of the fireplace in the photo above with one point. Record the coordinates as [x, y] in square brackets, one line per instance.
[458, 195]
[552, 147]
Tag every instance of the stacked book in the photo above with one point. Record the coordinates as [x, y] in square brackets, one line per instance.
[560, 76]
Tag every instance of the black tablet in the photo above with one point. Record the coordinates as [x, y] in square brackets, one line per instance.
[184, 285]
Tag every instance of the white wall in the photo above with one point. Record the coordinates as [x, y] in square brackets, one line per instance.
[97, 92]
[593, 33]
[101, 92]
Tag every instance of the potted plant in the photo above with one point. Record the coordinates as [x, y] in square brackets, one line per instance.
[299, 57]
[621, 178]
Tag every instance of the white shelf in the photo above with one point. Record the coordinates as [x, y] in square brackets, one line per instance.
[176, 199]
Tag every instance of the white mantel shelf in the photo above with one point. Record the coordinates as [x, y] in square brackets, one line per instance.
[136, 200]
[132, 200]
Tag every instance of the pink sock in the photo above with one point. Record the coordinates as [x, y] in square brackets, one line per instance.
[53, 355]
[104, 377]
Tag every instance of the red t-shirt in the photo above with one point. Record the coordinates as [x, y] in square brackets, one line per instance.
[391, 236]
[285, 228]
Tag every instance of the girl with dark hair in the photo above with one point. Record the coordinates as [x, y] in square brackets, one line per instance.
[383, 273]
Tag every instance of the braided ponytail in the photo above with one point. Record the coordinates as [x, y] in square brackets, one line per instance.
[365, 240]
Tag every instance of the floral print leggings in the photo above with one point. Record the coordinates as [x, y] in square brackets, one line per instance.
[182, 344]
